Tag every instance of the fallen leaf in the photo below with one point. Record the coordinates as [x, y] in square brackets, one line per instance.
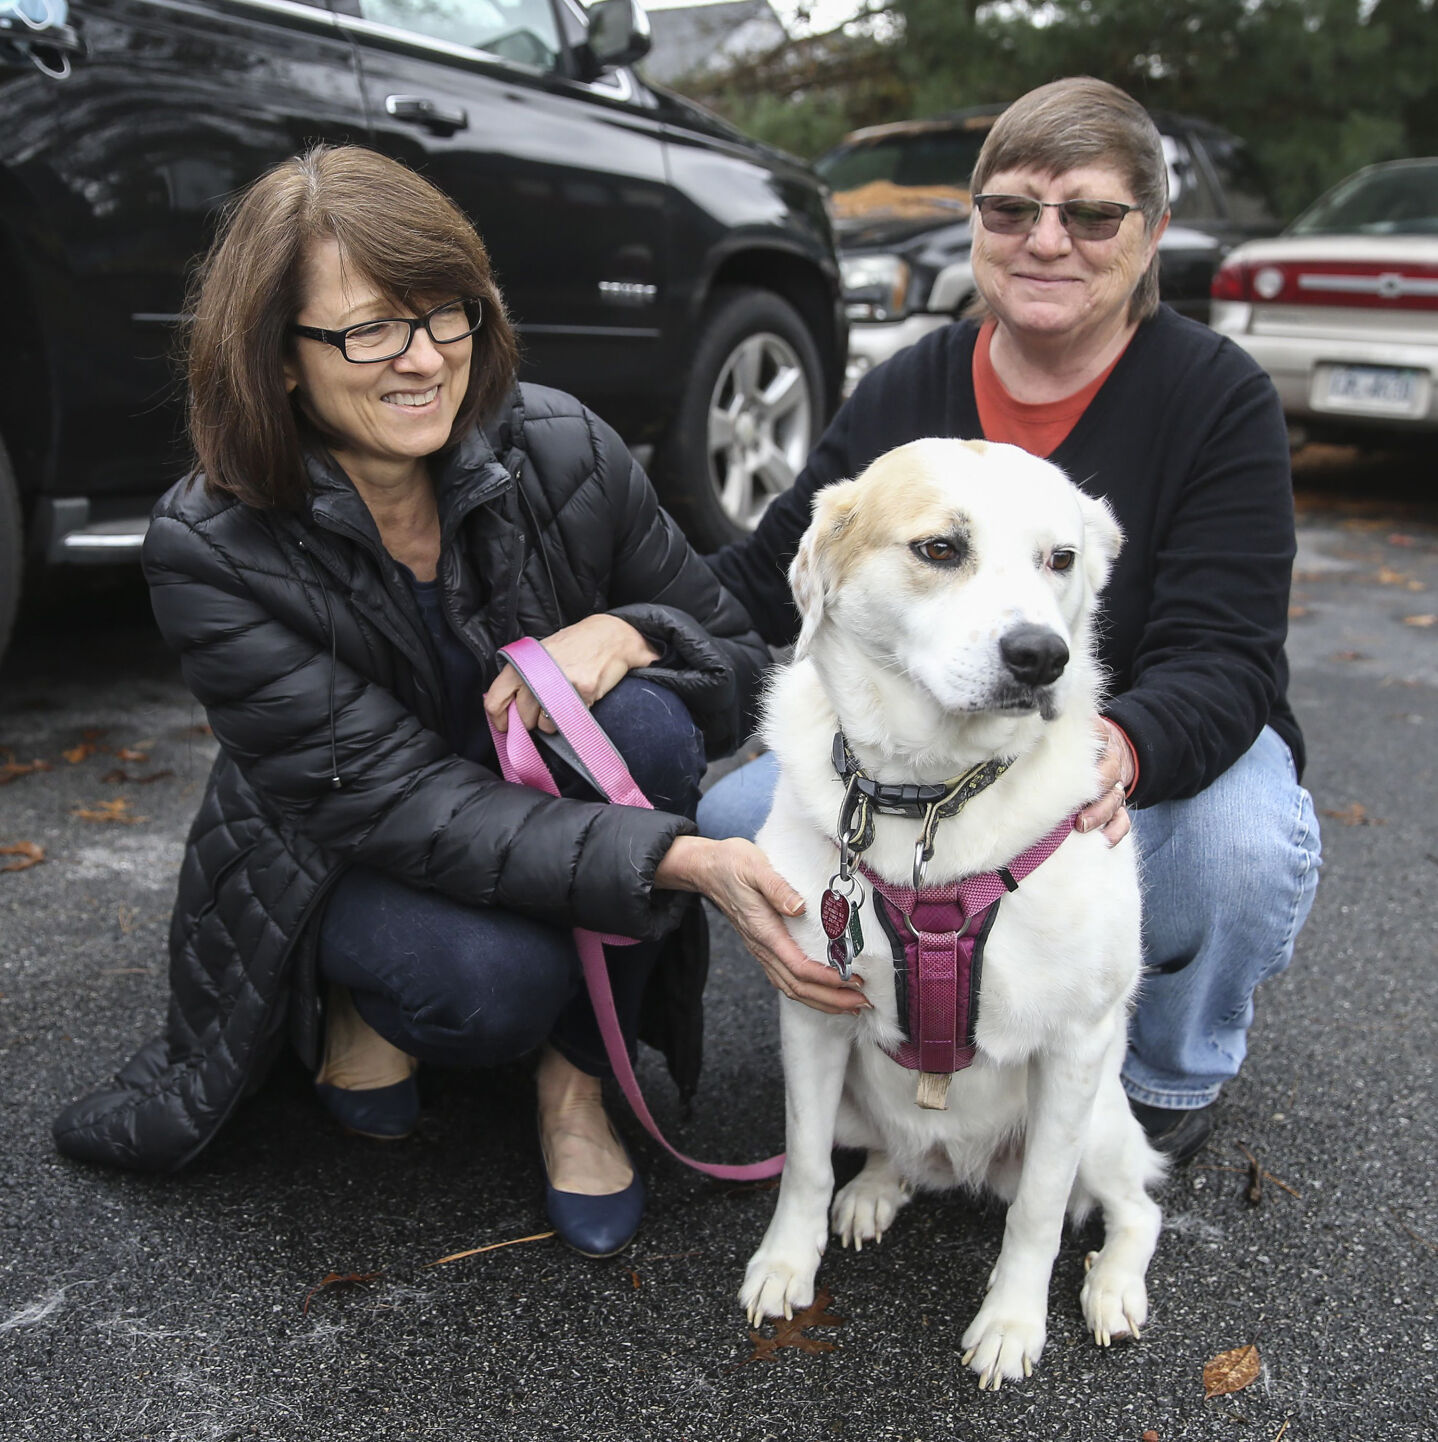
[491, 1247]
[1397, 538]
[634, 1277]
[1355, 814]
[1230, 1371]
[1349, 656]
[128, 753]
[336, 1279]
[29, 853]
[114, 811]
[9, 770]
[790, 1332]
[1150, 1436]
[1387, 576]
[1426, 620]
[76, 754]
[1294, 612]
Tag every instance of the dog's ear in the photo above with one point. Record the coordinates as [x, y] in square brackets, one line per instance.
[811, 572]
[1102, 540]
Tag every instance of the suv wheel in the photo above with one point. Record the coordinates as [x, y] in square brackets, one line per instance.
[750, 416]
[11, 549]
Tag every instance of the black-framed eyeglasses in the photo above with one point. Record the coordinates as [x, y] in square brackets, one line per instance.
[380, 340]
[1083, 219]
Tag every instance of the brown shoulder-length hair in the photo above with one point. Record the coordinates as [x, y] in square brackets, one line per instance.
[1082, 121]
[396, 230]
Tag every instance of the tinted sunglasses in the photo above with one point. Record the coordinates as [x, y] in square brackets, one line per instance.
[1083, 219]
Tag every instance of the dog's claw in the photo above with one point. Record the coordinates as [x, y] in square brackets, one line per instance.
[1088, 1262]
[967, 1357]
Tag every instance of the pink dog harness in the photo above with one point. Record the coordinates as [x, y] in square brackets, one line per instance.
[938, 938]
[937, 934]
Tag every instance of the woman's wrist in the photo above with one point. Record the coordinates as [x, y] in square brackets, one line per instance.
[681, 866]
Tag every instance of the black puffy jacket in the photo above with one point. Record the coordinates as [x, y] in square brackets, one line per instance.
[299, 634]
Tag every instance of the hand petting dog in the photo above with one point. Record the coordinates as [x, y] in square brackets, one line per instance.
[1109, 812]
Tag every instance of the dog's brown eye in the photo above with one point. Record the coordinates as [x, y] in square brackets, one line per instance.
[938, 550]
[1061, 560]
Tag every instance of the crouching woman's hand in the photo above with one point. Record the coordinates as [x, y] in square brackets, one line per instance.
[737, 877]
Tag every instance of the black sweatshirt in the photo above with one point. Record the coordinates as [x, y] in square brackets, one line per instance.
[1187, 443]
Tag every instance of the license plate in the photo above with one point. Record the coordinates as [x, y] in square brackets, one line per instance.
[1380, 390]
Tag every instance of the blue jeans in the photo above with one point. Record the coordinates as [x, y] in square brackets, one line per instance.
[1228, 878]
[475, 986]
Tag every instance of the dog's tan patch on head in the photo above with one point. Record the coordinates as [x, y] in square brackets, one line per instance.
[899, 499]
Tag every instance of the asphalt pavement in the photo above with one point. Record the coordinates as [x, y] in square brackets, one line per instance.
[196, 1307]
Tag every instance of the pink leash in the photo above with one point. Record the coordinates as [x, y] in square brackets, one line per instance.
[520, 762]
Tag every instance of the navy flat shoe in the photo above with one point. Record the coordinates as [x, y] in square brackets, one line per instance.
[595, 1226]
[385, 1114]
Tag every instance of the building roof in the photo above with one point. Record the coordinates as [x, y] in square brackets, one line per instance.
[691, 38]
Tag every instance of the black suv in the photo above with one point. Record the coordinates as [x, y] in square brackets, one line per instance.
[901, 206]
[676, 276]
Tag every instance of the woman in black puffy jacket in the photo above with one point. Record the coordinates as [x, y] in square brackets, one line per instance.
[376, 509]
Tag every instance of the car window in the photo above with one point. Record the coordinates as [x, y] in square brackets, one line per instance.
[1249, 202]
[1400, 201]
[925, 157]
[1189, 194]
[519, 30]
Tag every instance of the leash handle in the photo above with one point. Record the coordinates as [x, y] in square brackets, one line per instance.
[600, 761]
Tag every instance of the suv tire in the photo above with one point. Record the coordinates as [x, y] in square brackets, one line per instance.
[740, 437]
[11, 548]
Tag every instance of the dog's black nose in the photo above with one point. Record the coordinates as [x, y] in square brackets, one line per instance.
[1034, 654]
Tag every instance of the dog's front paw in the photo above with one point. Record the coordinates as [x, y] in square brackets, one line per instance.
[1114, 1300]
[863, 1209]
[1003, 1341]
[777, 1286]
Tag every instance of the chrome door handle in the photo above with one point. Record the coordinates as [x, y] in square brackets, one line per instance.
[420, 110]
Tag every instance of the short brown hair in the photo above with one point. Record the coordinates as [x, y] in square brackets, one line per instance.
[393, 227]
[1082, 121]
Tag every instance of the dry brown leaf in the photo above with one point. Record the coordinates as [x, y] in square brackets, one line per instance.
[1294, 612]
[128, 753]
[1387, 576]
[119, 776]
[335, 1279]
[116, 811]
[1150, 1436]
[1397, 538]
[76, 754]
[790, 1332]
[1230, 1371]
[491, 1247]
[9, 770]
[29, 853]
[1355, 814]
[1350, 656]
[1425, 620]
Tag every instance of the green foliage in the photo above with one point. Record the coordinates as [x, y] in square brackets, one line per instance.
[806, 127]
[1317, 87]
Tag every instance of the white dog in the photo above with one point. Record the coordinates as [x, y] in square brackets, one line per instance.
[947, 598]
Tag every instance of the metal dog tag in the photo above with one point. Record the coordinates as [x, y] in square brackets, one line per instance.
[839, 916]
